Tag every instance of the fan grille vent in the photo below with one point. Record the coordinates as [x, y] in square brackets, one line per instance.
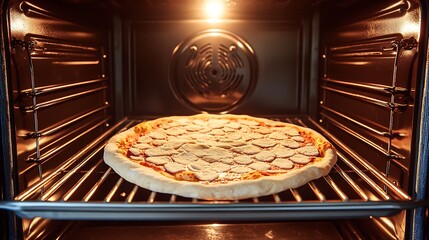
[213, 71]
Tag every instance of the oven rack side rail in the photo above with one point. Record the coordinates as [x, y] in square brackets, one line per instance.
[206, 212]
[349, 191]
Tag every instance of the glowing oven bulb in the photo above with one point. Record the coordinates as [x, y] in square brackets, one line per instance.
[214, 8]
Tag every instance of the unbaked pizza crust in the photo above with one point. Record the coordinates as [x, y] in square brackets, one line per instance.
[153, 180]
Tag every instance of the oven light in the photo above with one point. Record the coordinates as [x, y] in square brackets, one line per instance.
[18, 25]
[410, 28]
[214, 9]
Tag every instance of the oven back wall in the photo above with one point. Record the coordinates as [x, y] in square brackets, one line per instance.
[279, 50]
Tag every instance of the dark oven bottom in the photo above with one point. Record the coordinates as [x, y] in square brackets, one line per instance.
[212, 231]
[367, 228]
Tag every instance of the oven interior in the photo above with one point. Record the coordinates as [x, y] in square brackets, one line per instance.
[76, 72]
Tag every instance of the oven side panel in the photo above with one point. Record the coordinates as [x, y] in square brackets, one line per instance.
[60, 83]
[368, 83]
[59, 93]
[363, 58]
[10, 226]
[418, 218]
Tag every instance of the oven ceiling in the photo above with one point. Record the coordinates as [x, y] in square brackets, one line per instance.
[251, 8]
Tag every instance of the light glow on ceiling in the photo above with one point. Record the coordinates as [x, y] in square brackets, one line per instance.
[214, 9]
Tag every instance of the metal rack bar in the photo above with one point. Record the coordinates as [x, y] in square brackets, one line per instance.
[362, 44]
[277, 198]
[301, 122]
[398, 46]
[367, 99]
[28, 46]
[132, 194]
[368, 180]
[395, 45]
[172, 208]
[206, 211]
[368, 54]
[94, 188]
[62, 44]
[365, 140]
[60, 87]
[352, 166]
[367, 86]
[57, 148]
[381, 133]
[63, 99]
[395, 189]
[344, 175]
[34, 188]
[151, 198]
[114, 190]
[336, 189]
[65, 231]
[34, 223]
[57, 128]
[296, 195]
[64, 55]
[317, 191]
[352, 183]
[51, 49]
[289, 120]
[61, 181]
[73, 189]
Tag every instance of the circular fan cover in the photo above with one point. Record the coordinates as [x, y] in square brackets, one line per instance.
[213, 71]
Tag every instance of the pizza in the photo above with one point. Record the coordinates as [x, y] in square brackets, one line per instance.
[219, 157]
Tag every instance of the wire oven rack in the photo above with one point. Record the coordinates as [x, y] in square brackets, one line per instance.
[86, 188]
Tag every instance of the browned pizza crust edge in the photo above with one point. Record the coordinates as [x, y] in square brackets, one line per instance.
[148, 178]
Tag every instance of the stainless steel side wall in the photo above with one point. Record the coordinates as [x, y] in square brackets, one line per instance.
[357, 52]
[358, 67]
